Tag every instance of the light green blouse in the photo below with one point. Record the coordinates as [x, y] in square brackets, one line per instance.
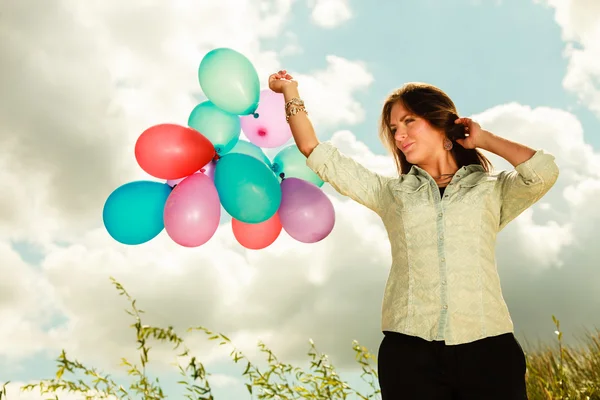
[443, 282]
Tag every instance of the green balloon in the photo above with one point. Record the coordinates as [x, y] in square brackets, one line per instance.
[250, 149]
[248, 189]
[292, 163]
[220, 127]
[230, 81]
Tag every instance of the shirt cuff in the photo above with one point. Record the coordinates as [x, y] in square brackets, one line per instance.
[320, 155]
[532, 170]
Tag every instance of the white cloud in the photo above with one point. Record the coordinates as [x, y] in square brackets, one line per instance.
[330, 13]
[580, 23]
[330, 93]
[544, 231]
[27, 305]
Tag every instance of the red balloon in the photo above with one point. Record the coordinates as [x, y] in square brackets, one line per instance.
[171, 151]
[257, 236]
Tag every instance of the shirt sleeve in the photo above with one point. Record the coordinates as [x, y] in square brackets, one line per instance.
[347, 176]
[524, 186]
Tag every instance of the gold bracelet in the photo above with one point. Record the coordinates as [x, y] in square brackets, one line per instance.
[293, 112]
[297, 101]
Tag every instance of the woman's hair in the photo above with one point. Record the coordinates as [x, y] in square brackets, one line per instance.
[432, 104]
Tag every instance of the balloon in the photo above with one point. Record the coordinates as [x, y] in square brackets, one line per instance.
[192, 212]
[208, 170]
[173, 182]
[170, 151]
[133, 213]
[269, 129]
[306, 213]
[292, 164]
[248, 190]
[230, 81]
[218, 126]
[245, 147]
[257, 236]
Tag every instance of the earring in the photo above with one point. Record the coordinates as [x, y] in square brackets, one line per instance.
[447, 144]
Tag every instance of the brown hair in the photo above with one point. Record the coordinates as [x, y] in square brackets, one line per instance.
[435, 106]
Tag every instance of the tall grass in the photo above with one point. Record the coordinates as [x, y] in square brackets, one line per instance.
[553, 372]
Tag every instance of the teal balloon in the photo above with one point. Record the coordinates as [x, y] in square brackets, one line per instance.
[220, 127]
[230, 81]
[133, 213]
[292, 163]
[250, 149]
[248, 189]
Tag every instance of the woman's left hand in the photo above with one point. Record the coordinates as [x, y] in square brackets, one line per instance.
[476, 136]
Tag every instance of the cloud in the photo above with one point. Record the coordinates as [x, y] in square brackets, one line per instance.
[330, 13]
[580, 24]
[27, 307]
[329, 94]
[286, 293]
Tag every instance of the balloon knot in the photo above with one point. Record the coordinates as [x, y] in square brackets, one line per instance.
[216, 157]
[255, 115]
[262, 132]
[282, 176]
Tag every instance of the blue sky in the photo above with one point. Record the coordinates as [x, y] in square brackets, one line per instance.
[483, 54]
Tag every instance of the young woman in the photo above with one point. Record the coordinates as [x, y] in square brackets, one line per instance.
[448, 331]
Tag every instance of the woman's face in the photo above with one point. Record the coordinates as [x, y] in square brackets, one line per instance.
[415, 137]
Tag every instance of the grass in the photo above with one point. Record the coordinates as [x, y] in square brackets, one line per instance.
[553, 372]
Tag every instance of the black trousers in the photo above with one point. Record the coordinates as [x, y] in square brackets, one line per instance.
[413, 368]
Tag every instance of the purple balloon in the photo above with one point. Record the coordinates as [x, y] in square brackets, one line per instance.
[208, 170]
[306, 213]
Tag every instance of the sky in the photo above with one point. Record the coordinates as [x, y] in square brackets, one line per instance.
[81, 80]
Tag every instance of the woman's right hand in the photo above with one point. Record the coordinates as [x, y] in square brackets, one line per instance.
[280, 81]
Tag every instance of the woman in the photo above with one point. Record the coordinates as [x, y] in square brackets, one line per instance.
[447, 330]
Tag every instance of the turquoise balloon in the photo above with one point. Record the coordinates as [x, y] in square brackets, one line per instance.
[220, 127]
[292, 163]
[250, 149]
[133, 213]
[248, 189]
[230, 81]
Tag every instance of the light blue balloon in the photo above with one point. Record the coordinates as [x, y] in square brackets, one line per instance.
[221, 128]
[250, 149]
[248, 189]
[230, 81]
[133, 213]
[292, 163]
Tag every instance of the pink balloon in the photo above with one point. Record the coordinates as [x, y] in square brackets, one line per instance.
[208, 170]
[193, 211]
[269, 129]
[306, 213]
